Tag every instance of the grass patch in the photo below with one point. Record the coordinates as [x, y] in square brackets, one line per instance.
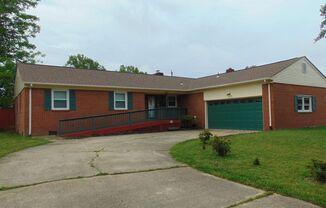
[283, 154]
[10, 142]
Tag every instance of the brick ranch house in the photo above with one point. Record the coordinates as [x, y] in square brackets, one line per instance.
[285, 94]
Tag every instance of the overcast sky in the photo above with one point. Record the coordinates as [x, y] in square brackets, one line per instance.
[192, 38]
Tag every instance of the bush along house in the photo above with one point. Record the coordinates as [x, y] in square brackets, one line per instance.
[74, 102]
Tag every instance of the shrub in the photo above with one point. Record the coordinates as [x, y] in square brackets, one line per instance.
[318, 170]
[221, 146]
[204, 137]
[187, 121]
[256, 161]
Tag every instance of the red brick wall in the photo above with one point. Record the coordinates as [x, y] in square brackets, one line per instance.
[195, 105]
[283, 112]
[87, 103]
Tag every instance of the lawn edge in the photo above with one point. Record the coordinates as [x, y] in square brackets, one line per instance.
[46, 141]
[234, 181]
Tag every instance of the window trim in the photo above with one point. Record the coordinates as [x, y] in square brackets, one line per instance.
[126, 100]
[67, 99]
[167, 101]
[302, 103]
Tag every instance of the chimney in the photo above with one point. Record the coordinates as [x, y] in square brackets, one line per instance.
[157, 72]
[229, 70]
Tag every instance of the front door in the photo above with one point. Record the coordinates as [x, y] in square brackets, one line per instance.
[151, 107]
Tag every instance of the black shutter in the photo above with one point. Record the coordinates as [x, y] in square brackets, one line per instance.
[111, 101]
[314, 104]
[72, 100]
[47, 99]
[130, 101]
[296, 103]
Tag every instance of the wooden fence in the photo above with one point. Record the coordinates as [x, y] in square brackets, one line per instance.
[7, 119]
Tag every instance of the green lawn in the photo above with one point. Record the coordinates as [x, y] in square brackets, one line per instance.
[10, 142]
[284, 156]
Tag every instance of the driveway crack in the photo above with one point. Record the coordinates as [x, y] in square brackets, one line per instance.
[92, 161]
[4, 188]
[256, 197]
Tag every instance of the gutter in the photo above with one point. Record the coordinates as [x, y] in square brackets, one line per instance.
[152, 89]
[230, 84]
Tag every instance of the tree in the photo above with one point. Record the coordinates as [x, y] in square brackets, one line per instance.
[83, 62]
[322, 33]
[130, 69]
[7, 80]
[16, 29]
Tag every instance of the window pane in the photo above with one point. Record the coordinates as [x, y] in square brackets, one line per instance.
[60, 104]
[306, 100]
[171, 98]
[171, 101]
[299, 106]
[120, 96]
[60, 95]
[306, 103]
[120, 104]
[299, 101]
[171, 104]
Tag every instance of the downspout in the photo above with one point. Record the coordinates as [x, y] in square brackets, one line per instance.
[269, 106]
[30, 110]
[206, 115]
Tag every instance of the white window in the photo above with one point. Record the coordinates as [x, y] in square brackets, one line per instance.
[171, 101]
[120, 101]
[60, 100]
[304, 103]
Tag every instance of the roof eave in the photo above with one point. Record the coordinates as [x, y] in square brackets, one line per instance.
[102, 86]
[265, 79]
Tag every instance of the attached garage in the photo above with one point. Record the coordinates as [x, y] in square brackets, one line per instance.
[243, 114]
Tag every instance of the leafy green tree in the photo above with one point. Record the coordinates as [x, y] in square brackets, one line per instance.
[7, 80]
[81, 61]
[130, 69]
[322, 33]
[16, 29]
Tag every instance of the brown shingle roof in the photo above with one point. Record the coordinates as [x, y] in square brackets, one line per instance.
[243, 75]
[31, 73]
[34, 73]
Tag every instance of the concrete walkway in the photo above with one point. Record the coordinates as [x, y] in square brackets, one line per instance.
[121, 171]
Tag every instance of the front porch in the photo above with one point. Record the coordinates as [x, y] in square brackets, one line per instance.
[153, 101]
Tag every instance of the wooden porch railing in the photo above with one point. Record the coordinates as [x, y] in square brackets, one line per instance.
[118, 119]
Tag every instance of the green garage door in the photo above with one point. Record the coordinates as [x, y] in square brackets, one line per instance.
[244, 114]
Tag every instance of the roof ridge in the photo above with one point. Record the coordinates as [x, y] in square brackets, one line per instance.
[110, 71]
[252, 67]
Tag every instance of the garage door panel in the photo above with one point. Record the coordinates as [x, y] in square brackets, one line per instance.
[236, 114]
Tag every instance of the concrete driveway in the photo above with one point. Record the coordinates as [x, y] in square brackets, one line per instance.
[121, 171]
